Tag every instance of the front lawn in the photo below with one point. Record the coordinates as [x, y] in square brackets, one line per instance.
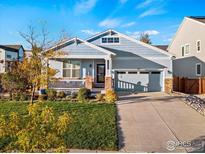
[93, 126]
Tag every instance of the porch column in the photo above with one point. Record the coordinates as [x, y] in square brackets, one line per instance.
[108, 73]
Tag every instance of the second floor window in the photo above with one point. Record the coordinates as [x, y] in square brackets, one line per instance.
[110, 40]
[187, 49]
[198, 46]
[8, 56]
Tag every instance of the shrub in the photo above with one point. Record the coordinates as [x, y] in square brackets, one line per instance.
[15, 96]
[100, 97]
[42, 132]
[42, 97]
[61, 94]
[83, 94]
[51, 94]
[23, 97]
[110, 96]
[73, 94]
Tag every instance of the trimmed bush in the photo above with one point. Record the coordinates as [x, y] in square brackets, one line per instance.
[110, 96]
[73, 94]
[100, 97]
[23, 97]
[83, 94]
[61, 94]
[15, 96]
[51, 94]
[42, 97]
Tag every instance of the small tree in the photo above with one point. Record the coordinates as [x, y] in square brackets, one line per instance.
[144, 37]
[14, 80]
[42, 131]
[36, 67]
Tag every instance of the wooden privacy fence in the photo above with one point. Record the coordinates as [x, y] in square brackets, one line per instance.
[189, 85]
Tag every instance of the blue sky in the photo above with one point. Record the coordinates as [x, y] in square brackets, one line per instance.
[83, 18]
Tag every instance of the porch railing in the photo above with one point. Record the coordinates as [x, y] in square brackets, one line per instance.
[67, 84]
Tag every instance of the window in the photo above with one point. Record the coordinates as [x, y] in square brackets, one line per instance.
[71, 69]
[198, 69]
[104, 40]
[198, 46]
[155, 72]
[110, 40]
[132, 72]
[121, 72]
[182, 50]
[187, 49]
[8, 56]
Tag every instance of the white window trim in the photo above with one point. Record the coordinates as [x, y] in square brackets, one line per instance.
[110, 37]
[71, 71]
[197, 46]
[185, 49]
[200, 69]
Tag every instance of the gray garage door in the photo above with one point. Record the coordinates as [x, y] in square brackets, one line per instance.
[144, 81]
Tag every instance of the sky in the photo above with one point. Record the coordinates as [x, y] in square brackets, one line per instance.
[83, 18]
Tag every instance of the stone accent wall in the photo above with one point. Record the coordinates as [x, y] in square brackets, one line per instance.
[108, 82]
[168, 85]
[89, 82]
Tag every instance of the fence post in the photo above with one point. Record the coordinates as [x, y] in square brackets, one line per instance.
[200, 85]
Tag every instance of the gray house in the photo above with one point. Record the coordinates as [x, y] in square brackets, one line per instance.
[111, 60]
[188, 46]
[8, 54]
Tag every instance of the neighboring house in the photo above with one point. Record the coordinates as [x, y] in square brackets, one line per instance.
[111, 60]
[8, 54]
[163, 47]
[188, 46]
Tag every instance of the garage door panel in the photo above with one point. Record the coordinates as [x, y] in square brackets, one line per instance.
[140, 82]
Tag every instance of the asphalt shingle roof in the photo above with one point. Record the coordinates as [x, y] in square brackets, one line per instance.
[198, 18]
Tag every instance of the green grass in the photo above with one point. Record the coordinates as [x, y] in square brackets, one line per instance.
[93, 126]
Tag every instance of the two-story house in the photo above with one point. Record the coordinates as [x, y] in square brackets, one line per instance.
[188, 47]
[8, 54]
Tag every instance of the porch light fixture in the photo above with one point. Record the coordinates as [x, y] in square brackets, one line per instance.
[90, 65]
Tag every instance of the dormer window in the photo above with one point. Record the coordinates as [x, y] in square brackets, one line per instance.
[110, 40]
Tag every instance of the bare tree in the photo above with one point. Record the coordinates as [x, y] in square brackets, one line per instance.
[36, 67]
[144, 37]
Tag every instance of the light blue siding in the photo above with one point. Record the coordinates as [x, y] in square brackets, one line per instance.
[186, 67]
[80, 49]
[147, 58]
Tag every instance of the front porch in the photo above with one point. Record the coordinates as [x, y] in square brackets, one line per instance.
[75, 73]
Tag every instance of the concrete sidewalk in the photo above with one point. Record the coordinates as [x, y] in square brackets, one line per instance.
[146, 122]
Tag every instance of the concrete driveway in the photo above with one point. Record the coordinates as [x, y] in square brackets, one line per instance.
[157, 122]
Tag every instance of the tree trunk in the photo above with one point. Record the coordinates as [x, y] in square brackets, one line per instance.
[33, 93]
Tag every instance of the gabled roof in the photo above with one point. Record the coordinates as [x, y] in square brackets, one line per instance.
[11, 47]
[85, 42]
[131, 39]
[196, 19]
[163, 47]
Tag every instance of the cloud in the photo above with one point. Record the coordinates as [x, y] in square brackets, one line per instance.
[144, 4]
[110, 23]
[84, 6]
[151, 32]
[136, 34]
[123, 1]
[151, 12]
[129, 24]
[89, 31]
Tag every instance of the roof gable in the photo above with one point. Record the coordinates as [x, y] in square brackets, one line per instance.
[108, 32]
[78, 43]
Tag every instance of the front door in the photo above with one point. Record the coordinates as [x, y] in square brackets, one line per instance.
[100, 73]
